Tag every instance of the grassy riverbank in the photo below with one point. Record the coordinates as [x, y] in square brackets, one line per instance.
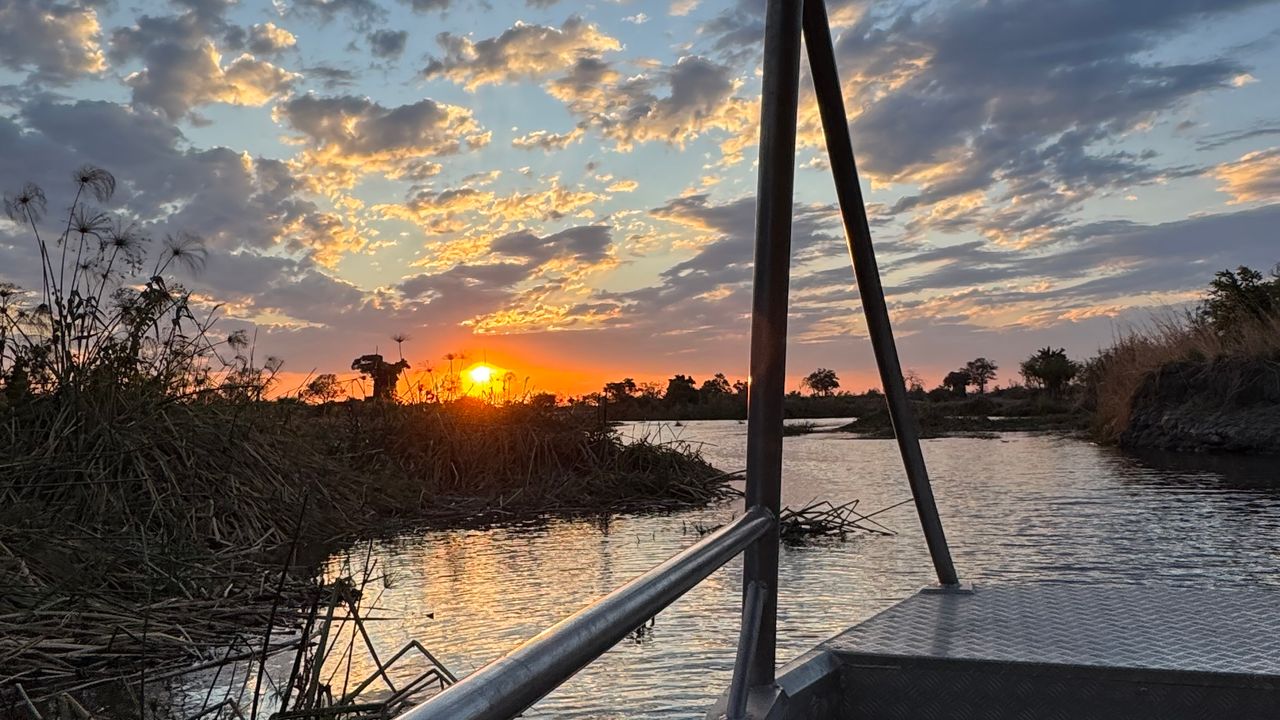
[145, 534]
[1203, 380]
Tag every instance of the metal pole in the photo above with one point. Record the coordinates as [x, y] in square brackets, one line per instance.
[748, 637]
[826, 82]
[779, 92]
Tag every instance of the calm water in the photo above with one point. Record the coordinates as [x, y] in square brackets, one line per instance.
[1020, 508]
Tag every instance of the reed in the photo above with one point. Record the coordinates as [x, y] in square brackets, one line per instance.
[1113, 378]
[148, 490]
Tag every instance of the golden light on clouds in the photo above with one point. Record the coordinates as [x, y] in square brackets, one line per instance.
[1255, 176]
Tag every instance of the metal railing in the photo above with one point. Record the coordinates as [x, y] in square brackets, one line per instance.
[506, 687]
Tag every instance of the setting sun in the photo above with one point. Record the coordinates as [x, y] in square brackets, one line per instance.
[484, 380]
[481, 374]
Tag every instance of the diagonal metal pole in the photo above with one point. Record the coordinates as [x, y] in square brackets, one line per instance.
[779, 93]
[826, 82]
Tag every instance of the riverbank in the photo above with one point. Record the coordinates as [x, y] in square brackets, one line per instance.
[139, 539]
[1226, 405]
[978, 416]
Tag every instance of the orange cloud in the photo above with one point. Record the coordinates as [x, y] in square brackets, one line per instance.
[1254, 177]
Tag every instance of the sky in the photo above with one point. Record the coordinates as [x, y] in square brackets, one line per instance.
[566, 189]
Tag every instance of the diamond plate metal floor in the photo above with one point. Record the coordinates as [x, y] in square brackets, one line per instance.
[1051, 652]
[1113, 626]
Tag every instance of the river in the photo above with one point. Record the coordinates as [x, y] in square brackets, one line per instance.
[1020, 507]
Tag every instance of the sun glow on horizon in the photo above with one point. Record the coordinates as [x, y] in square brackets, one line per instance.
[484, 380]
[481, 374]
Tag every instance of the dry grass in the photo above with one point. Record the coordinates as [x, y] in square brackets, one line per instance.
[140, 536]
[147, 491]
[1119, 371]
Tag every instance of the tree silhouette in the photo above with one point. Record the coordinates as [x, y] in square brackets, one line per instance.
[981, 371]
[957, 380]
[913, 381]
[1050, 369]
[681, 390]
[384, 374]
[1240, 297]
[324, 388]
[821, 382]
[621, 390]
[714, 386]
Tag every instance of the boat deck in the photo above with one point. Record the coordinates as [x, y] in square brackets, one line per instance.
[1048, 652]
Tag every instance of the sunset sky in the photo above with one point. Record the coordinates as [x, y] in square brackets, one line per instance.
[566, 189]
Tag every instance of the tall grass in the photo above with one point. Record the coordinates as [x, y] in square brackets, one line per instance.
[1115, 376]
[143, 474]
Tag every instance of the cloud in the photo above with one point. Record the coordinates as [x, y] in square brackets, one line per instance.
[526, 282]
[680, 8]
[427, 5]
[231, 199]
[387, 44]
[349, 136]
[1255, 177]
[546, 140]
[675, 105]
[705, 299]
[184, 69]
[1217, 140]
[522, 52]
[178, 79]
[1015, 98]
[269, 39]
[587, 244]
[485, 211]
[54, 43]
[331, 77]
[364, 12]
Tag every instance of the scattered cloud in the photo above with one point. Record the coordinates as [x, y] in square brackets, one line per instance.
[1255, 177]
[546, 140]
[522, 52]
[363, 12]
[349, 136]
[1017, 100]
[674, 105]
[388, 44]
[680, 8]
[999, 139]
[184, 68]
[269, 39]
[487, 211]
[54, 43]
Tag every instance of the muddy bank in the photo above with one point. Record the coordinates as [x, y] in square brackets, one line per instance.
[1225, 405]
